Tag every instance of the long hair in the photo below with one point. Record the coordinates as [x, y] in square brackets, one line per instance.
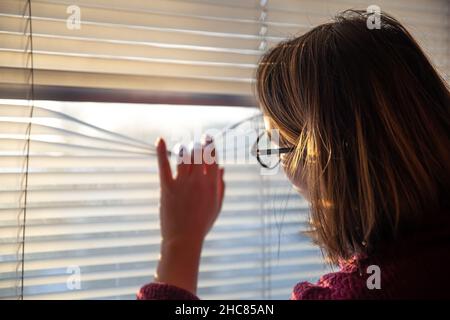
[368, 116]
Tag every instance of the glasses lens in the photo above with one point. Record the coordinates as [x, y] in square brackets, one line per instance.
[268, 146]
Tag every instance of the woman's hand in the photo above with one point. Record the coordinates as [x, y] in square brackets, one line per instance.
[190, 202]
[189, 205]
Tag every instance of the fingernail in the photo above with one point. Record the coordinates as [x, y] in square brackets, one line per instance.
[158, 141]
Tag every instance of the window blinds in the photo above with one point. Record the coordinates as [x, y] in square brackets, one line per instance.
[90, 194]
[92, 205]
[207, 47]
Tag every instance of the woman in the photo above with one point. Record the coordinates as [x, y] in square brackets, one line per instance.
[367, 119]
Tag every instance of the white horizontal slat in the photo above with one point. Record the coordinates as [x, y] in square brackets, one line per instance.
[236, 183]
[58, 138]
[117, 81]
[71, 195]
[61, 232]
[123, 48]
[79, 215]
[224, 279]
[108, 64]
[178, 8]
[109, 259]
[245, 286]
[296, 258]
[175, 38]
[247, 24]
[233, 12]
[61, 123]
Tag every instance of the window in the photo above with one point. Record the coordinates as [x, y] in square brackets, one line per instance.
[80, 109]
[92, 208]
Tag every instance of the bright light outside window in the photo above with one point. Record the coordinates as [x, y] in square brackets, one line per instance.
[93, 211]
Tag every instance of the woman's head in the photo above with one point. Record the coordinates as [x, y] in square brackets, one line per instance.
[368, 116]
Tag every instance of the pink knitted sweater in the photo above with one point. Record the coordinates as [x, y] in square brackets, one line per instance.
[417, 266]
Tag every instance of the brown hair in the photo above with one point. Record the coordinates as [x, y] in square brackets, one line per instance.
[368, 116]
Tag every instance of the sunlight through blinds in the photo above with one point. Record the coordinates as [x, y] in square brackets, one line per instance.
[92, 205]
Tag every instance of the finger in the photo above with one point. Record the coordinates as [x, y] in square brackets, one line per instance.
[209, 156]
[221, 187]
[196, 159]
[165, 173]
[184, 160]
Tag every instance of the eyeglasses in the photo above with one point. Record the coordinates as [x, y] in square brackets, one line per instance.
[268, 158]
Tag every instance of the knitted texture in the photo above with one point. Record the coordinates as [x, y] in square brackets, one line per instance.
[162, 291]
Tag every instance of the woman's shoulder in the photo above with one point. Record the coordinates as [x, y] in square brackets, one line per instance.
[411, 268]
[350, 282]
